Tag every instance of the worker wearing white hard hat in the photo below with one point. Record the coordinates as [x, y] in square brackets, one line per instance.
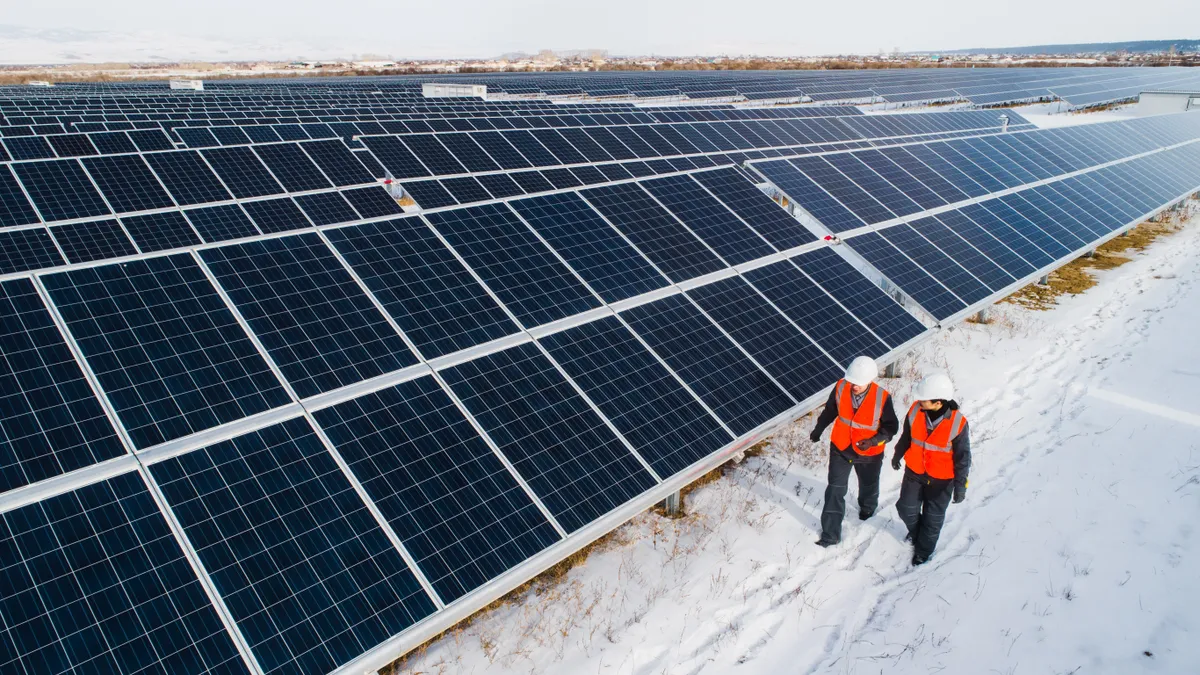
[936, 449]
[863, 422]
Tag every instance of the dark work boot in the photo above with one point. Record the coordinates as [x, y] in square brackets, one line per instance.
[919, 559]
[863, 515]
[826, 542]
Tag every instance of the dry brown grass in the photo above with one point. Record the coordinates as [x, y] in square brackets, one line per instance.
[1078, 275]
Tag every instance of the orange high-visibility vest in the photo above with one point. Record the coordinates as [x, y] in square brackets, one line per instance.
[932, 452]
[853, 426]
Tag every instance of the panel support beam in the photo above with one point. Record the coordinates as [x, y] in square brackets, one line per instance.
[673, 504]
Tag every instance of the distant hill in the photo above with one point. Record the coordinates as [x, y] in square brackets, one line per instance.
[1135, 47]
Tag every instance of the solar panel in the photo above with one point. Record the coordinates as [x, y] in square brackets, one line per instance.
[500, 185]
[187, 177]
[61, 190]
[529, 279]
[532, 181]
[314, 320]
[338, 163]
[372, 202]
[468, 152]
[708, 218]
[95, 240]
[326, 208]
[466, 190]
[242, 172]
[221, 223]
[789, 356]
[906, 274]
[605, 260]
[27, 249]
[15, 209]
[816, 313]
[164, 347]
[160, 231]
[458, 511]
[422, 285]
[395, 157]
[803, 191]
[127, 183]
[433, 154]
[53, 422]
[429, 194]
[755, 208]
[276, 215]
[663, 421]
[308, 575]
[292, 167]
[670, 245]
[740, 393]
[29, 147]
[94, 581]
[573, 462]
[879, 312]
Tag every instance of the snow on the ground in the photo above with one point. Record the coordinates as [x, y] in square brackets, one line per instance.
[1073, 553]
[1052, 115]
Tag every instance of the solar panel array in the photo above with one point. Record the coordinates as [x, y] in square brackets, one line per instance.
[956, 223]
[258, 419]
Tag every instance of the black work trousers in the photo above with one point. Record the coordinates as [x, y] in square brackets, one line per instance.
[922, 507]
[841, 463]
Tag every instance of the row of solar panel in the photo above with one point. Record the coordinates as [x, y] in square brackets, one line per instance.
[380, 121]
[850, 190]
[70, 189]
[78, 145]
[952, 260]
[472, 469]
[423, 155]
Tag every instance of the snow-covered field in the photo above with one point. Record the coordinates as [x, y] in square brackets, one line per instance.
[1075, 550]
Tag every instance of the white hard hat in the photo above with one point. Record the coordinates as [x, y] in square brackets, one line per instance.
[935, 386]
[862, 371]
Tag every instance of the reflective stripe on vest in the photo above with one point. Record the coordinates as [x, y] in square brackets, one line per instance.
[853, 426]
[932, 450]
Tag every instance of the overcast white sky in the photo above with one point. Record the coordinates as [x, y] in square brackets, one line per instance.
[481, 28]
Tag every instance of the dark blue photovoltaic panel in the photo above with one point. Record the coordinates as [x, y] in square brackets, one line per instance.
[708, 218]
[433, 154]
[326, 208]
[531, 181]
[221, 223]
[395, 157]
[29, 147]
[165, 348]
[532, 150]
[127, 183]
[960, 251]
[461, 515]
[500, 185]
[242, 172]
[467, 151]
[27, 249]
[1016, 232]
[523, 273]
[305, 570]
[314, 320]
[936, 263]
[911, 188]
[898, 203]
[52, 423]
[60, 190]
[774, 342]
[815, 312]
[556, 144]
[591, 246]
[338, 163]
[996, 250]
[292, 167]
[843, 189]
[96, 240]
[95, 582]
[466, 190]
[561, 179]
[1059, 239]
[675, 250]
[869, 303]
[160, 231]
[148, 140]
[433, 298]
[372, 202]
[928, 177]
[668, 427]
[755, 208]
[429, 194]
[721, 375]
[187, 177]
[15, 209]
[276, 215]
[499, 149]
[807, 195]
[906, 275]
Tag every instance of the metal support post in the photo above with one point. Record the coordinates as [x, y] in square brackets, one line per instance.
[889, 370]
[1044, 281]
[984, 315]
[673, 504]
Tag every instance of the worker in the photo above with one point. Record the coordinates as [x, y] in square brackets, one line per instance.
[863, 422]
[936, 448]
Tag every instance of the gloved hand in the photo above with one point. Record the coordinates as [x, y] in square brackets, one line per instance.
[866, 445]
[960, 493]
[814, 436]
[896, 462]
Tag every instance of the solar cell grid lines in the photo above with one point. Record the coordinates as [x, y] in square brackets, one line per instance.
[165, 349]
[316, 323]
